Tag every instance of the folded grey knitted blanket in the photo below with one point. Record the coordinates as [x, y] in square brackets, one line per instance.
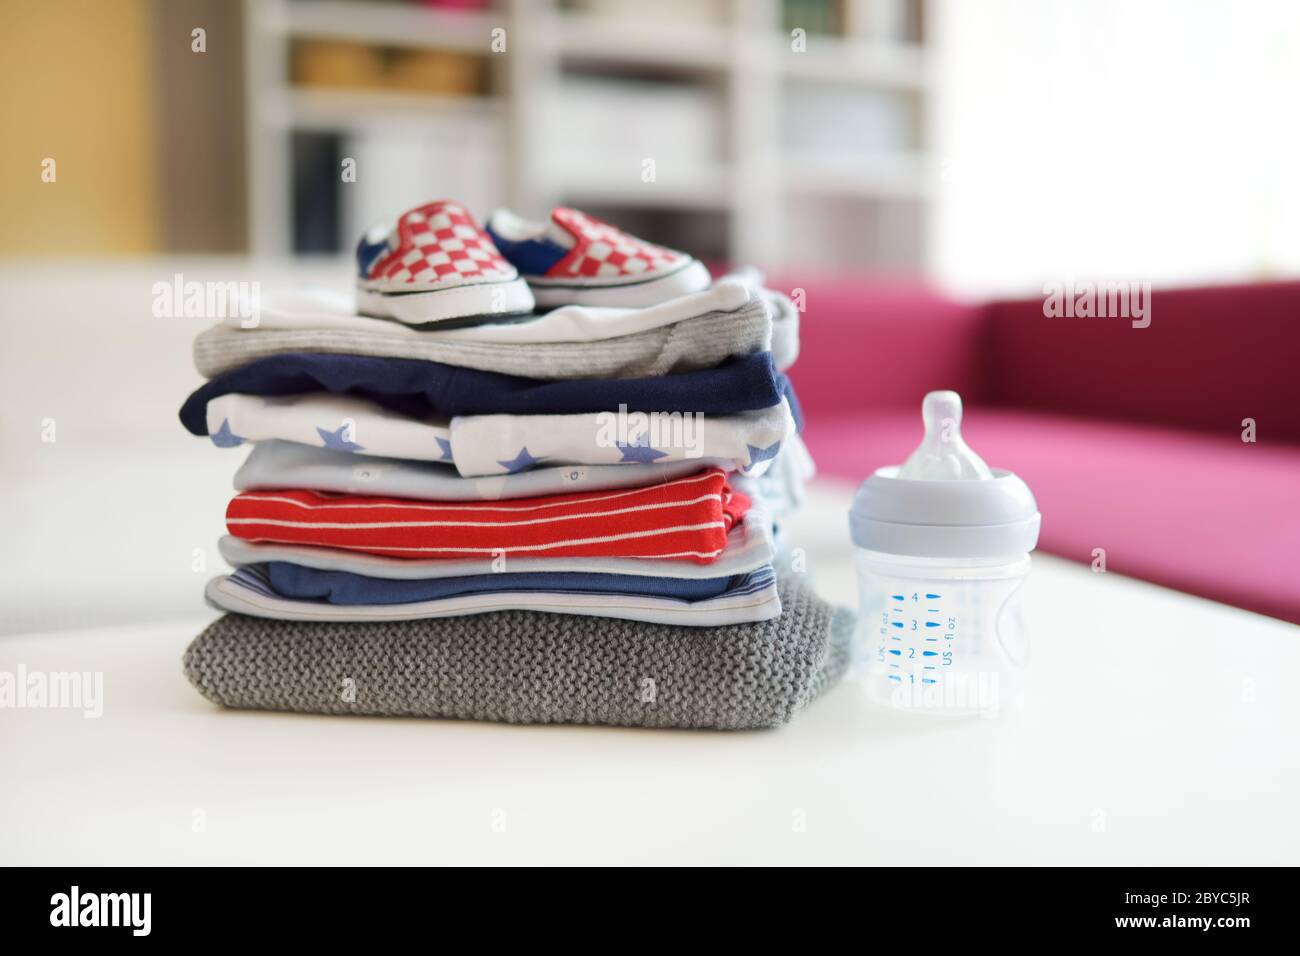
[701, 341]
[529, 667]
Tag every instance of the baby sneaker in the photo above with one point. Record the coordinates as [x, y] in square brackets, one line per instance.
[577, 260]
[437, 266]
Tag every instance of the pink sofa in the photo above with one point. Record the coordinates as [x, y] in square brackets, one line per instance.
[1130, 438]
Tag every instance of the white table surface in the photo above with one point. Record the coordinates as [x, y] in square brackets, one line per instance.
[1160, 729]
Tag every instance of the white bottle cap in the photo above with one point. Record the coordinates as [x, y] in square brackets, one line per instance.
[944, 502]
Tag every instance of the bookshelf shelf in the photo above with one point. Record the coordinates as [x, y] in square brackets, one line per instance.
[326, 109]
[886, 177]
[866, 62]
[391, 24]
[706, 48]
[703, 188]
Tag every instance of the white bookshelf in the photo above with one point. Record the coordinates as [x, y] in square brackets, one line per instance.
[743, 63]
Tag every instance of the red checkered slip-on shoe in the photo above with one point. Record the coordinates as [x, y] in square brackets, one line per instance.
[437, 265]
[577, 260]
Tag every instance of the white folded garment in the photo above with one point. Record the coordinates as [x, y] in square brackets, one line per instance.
[319, 308]
[493, 444]
[285, 464]
[781, 490]
[339, 422]
[754, 599]
[479, 445]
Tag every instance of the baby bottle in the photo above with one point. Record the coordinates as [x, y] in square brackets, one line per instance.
[942, 548]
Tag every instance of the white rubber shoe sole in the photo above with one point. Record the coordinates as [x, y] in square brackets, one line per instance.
[623, 293]
[413, 307]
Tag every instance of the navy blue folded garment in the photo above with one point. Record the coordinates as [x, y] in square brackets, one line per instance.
[423, 389]
[344, 587]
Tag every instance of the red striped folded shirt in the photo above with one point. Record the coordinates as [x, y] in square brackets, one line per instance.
[686, 519]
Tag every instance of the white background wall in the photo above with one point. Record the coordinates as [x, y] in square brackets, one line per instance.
[1155, 140]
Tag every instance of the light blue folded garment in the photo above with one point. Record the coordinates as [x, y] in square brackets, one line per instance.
[750, 597]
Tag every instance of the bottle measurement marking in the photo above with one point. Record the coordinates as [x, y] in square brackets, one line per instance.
[914, 618]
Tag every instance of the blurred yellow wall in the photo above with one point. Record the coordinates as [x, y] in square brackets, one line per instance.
[75, 87]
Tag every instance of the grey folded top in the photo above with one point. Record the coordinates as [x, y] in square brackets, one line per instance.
[701, 341]
[785, 328]
[532, 667]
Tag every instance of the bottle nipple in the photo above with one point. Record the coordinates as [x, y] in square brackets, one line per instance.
[942, 454]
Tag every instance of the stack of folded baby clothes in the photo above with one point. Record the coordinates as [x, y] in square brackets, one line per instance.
[531, 474]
